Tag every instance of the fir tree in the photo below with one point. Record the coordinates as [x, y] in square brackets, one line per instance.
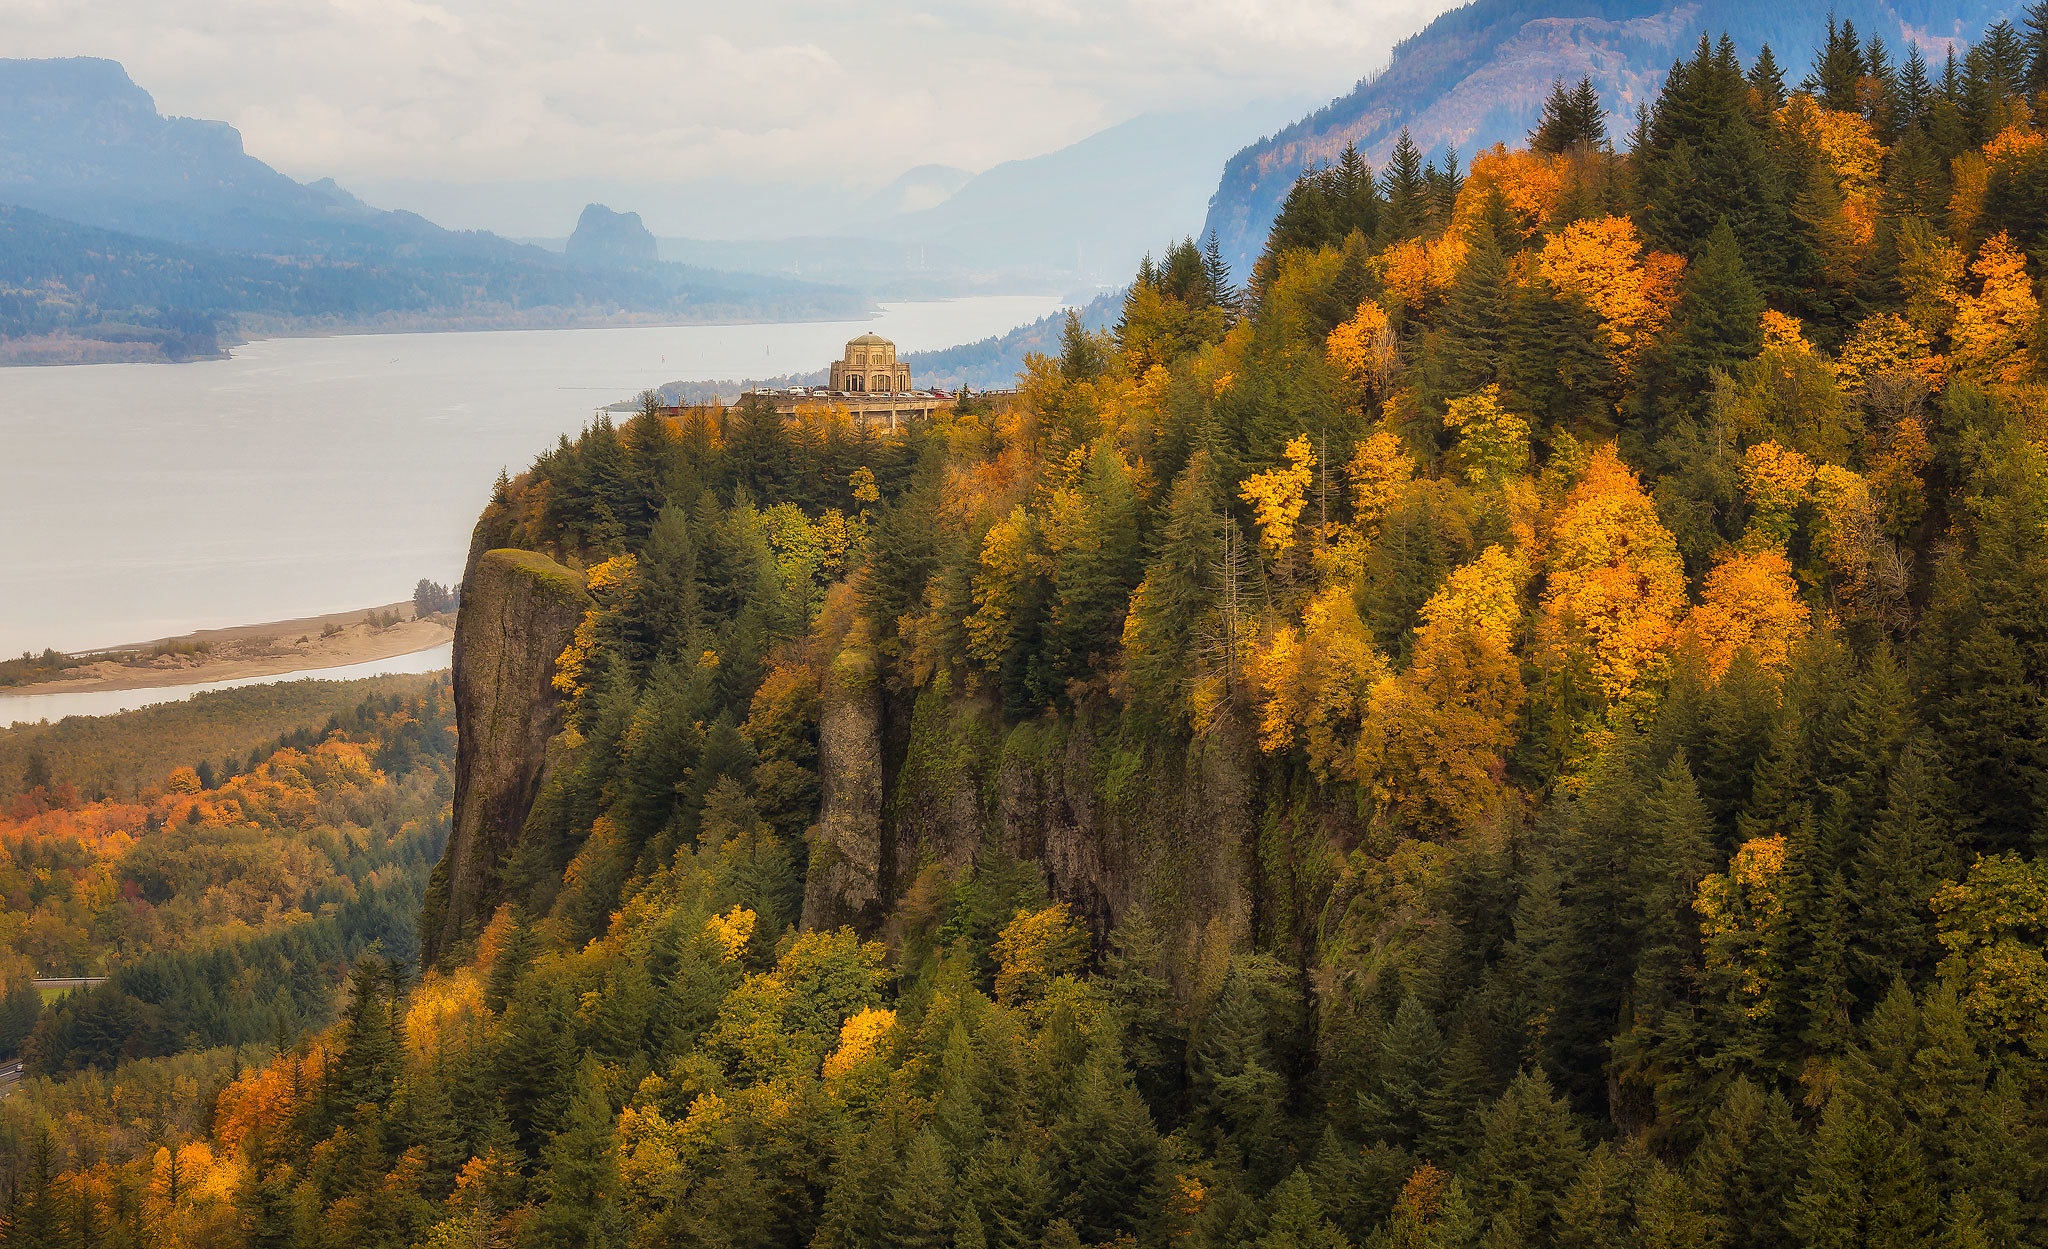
[1405, 190]
[1571, 118]
[1106, 1151]
[1838, 69]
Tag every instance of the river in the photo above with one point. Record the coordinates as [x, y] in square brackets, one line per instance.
[310, 475]
[29, 708]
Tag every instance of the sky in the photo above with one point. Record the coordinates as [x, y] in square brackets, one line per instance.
[481, 107]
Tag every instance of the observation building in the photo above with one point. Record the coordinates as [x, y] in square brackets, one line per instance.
[869, 382]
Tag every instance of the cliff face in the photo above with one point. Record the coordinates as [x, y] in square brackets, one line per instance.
[846, 878]
[1478, 76]
[519, 610]
[1171, 830]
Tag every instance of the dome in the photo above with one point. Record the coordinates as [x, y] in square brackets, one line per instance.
[870, 340]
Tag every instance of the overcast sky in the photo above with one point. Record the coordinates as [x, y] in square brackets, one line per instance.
[378, 92]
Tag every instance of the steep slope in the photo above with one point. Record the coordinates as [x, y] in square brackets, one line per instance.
[1478, 75]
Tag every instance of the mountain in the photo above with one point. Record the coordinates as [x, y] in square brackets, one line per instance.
[1091, 210]
[608, 240]
[913, 190]
[1083, 215]
[1478, 75]
[138, 236]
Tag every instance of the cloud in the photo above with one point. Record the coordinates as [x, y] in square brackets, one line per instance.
[696, 92]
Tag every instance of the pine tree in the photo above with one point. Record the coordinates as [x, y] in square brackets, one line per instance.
[1714, 327]
[1010, 1188]
[1217, 274]
[1297, 1220]
[1467, 350]
[1143, 998]
[1106, 1154]
[1529, 1152]
[1746, 1166]
[1405, 191]
[1571, 118]
[918, 1208]
[579, 1172]
[1896, 871]
[535, 1061]
[1411, 1055]
[368, 1050]
[1867, 1185]
[1838, 68]
[2037, 47]
[1766, 83]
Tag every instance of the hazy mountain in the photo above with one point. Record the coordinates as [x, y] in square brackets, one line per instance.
[1079, 217]
[150, 237]
[610, 240]
[1477, 75]
[913, 190]
[1091, 210]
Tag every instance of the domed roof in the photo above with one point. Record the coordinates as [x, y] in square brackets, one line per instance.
[870, 340]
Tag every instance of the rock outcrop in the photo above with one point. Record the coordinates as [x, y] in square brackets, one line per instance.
[608, 240]
[519, 609]
[846, 879]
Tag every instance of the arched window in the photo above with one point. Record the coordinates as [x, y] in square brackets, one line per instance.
[853, 383]
[880, 382]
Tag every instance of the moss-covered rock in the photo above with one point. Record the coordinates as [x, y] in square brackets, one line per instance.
[519, 609]
[845, 882]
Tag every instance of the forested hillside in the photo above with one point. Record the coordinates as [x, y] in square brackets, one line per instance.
[1478, 74]
[1522, 727]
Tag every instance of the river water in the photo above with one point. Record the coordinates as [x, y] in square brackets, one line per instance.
[29, 708]
[310, 475]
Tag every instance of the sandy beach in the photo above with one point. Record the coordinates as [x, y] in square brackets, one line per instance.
[255, 650]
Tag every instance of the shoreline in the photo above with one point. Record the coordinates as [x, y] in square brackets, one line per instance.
[237, 652]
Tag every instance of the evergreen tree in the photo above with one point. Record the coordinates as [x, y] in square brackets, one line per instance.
[1571, 118]
[1867, 1186]
[1766, 84]
[1106, 1154]
[1714, 327]
[919, 1209]
[1530, 1151]
[1410, 1061]
[1838, 69]
[1405, 191]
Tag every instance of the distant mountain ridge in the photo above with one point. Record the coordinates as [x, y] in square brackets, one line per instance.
[125, 234]
[1478, 75]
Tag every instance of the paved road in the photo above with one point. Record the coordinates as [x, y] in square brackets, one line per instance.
[68, 982]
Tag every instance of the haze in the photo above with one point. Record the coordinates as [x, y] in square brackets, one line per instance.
[711, 119]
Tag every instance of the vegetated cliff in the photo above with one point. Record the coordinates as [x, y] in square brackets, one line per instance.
[519, 609]
[1478, 75]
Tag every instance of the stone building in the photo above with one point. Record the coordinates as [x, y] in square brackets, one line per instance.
[870, 367]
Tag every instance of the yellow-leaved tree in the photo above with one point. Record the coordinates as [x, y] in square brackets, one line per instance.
[1379, 470]
[1313, 681]
[1617, 585]
[1776, 481]
[1749, 600]
[1601, 261]
[1493, 443]
[1278, 495]
[1433, 749]
[1740, 911]
[1363, 348]
[1993, 328]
